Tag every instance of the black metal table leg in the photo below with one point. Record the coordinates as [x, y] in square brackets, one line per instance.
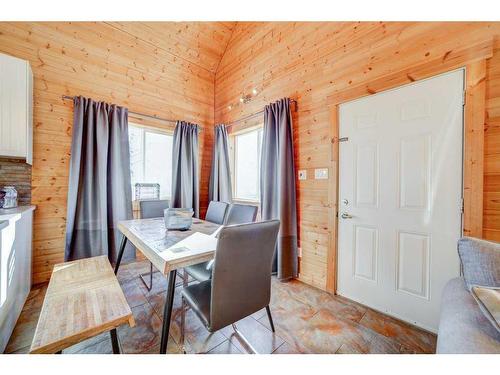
[150, 273]
[115, 342]
[270, 317]
[120, 253]
[167, 312]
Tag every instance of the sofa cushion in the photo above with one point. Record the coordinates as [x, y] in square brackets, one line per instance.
[462, 327]
[480, 262]
[488, 300]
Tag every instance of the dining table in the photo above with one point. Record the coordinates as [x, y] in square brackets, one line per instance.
[165, 250]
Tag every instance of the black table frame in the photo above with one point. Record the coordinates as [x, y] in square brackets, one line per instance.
[169, 303]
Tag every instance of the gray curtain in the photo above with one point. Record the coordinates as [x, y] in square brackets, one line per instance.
[185, 179]
[220, 188]
[99, 180]
[277, 184]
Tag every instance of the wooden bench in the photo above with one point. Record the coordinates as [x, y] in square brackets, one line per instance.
[83, 299]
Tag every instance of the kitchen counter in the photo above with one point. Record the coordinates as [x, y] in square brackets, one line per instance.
[4, 224]
[10, 213]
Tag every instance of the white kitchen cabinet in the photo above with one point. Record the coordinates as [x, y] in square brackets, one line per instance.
[16, 108]
[15, 266]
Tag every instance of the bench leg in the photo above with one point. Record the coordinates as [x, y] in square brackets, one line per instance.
[120, 253]
[167, 312]
[115, 342]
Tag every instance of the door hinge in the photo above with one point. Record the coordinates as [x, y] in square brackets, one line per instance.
[343, 139]
[462, 207]
[464, 97]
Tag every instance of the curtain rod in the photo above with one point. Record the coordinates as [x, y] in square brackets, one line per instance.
[138, 114]
[229, 124]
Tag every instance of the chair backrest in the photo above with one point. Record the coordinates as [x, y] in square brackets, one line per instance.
[240, 214]
[216, 212]
[241, 275]
[153, 208]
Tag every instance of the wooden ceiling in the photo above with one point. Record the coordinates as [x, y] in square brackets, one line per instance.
[200, 43]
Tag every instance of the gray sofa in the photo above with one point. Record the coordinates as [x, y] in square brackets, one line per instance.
[463, 328]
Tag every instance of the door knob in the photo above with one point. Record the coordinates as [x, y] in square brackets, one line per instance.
[346, 216]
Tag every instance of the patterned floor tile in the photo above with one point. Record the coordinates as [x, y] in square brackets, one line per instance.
[286, 349]
[341, 307]
[302, 292]
[172, 348]
[196, 337]
[347, 349]
[128, 271]
[145, 334]
[23, 333]
[307, 320]
[138, 267]
[201, 341]
[261, 338]
[225, 348]
[158, 302]
[100, 347]
[160, 284]
[23, 350]
[35, 297]
[133, 293]
[288, 325]
[259, 314]
[91, 342]
[327, 333]
[407, 335]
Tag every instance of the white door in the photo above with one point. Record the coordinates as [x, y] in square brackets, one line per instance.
[400, 197]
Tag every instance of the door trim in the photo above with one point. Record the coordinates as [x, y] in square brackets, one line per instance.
[473, 60]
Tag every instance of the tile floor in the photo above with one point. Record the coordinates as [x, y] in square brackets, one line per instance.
[307, 320]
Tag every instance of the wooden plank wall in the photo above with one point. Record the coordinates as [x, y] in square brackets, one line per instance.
[173, 77]
[107, 62]
[491, 202]
[311, 61]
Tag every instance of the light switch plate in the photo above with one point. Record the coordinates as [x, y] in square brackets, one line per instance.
[302, 174]
[321, 173]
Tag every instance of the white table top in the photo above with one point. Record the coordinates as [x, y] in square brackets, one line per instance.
[156, 243]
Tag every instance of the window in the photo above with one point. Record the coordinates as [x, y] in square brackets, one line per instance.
[246, 165]
[150, 158]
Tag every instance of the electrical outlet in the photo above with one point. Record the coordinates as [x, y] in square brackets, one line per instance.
[303, 174]
[321, 173]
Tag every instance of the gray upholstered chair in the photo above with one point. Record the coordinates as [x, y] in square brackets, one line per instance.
[216, 213]
[153, 208]
[234, 214]
[241, 278]
[149, 209]
[240, 213]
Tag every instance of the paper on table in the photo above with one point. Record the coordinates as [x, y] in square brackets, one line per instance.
[195, 243]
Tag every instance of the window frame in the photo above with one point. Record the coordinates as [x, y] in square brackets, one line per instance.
[149, 129]
[233, 162]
